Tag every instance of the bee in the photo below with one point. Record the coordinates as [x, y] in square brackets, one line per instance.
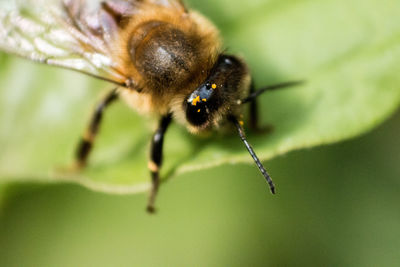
[162, 57]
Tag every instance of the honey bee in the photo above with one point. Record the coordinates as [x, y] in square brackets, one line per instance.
[162, 57]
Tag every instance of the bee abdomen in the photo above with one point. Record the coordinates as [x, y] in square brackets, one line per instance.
[164, 55]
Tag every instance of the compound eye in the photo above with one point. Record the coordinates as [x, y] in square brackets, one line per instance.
[199, 104]
[197, 116]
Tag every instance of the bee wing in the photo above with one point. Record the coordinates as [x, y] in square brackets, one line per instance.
[66, 34]
[178, 4]
[73, 34]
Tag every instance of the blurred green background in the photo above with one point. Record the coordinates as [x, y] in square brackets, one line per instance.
[336, 205]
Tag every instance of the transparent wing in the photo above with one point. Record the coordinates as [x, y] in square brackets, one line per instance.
[74, 34]
[61, 33]
[178, 4]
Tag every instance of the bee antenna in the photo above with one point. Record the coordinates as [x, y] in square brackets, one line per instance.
[252, 153]
[270, 87]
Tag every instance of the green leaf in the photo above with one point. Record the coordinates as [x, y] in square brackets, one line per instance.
[347, 51]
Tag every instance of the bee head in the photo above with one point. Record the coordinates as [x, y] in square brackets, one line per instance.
[217, 97]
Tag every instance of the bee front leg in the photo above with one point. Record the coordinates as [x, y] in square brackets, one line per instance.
[156, 156]
[252, 98]
[254, 120]
[86, 144]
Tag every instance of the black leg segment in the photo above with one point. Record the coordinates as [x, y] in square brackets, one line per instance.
[156, 157]
[86, 143]
[254, 121]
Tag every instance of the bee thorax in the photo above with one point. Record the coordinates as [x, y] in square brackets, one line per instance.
[164, 55]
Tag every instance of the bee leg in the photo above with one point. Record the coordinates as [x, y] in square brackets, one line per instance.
[254, 121]
[156, 156]
[86, 143]
[253, 104]
[253, 110]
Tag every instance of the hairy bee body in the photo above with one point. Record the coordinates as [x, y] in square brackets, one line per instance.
[164, 58]
[167, 53]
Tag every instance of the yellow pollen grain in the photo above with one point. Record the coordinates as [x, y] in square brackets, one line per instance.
[196, 100]
[198, 110]
[241, 123]
[213, 86]
[204, 100]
